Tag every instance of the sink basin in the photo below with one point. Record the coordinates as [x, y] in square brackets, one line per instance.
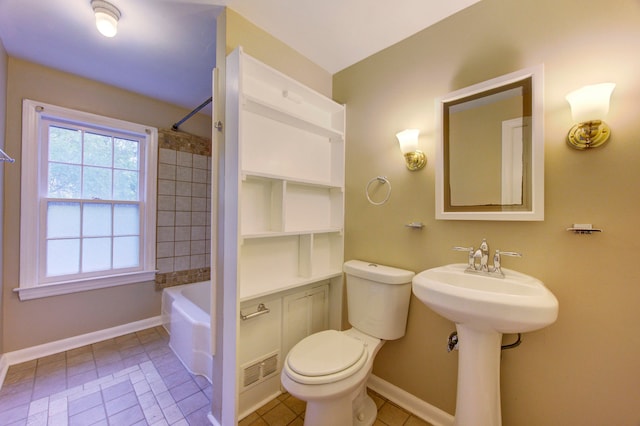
[483, 308]
[516, 303]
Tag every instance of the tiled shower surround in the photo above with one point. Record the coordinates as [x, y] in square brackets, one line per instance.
[184, 209]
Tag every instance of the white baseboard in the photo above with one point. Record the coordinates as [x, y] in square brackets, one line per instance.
[4, 367]
[16, 357]
[415, 405]
[212, 419]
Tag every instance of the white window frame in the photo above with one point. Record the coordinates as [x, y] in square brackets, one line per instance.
[30, 227]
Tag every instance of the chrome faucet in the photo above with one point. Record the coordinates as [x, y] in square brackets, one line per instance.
[478, 262]
[484, 255]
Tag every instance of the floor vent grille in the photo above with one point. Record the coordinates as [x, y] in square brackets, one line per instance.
[260, 370]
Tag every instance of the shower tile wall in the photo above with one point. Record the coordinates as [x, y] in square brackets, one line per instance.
[183, 253]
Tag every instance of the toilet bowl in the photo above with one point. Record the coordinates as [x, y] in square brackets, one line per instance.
[348, 360]
[329, 369]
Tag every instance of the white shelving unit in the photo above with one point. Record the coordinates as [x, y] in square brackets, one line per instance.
[284, 216]
[291, 182]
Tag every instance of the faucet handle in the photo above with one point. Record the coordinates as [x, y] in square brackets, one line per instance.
[471, 261]
[509, 253]
[497, 265]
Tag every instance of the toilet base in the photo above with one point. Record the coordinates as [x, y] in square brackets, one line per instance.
[327, 413]
[362, 410]
[365, 411]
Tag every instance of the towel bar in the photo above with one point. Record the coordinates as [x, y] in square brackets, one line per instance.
[260, 311]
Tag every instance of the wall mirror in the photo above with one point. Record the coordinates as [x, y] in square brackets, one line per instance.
[490, 156]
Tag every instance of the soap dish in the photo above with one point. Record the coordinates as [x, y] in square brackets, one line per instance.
[583, 228]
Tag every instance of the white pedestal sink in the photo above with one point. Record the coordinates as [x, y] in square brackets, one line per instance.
[483, 308]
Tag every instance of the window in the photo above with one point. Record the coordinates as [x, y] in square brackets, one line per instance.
[88, 201]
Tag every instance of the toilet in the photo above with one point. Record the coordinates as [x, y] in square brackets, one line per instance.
[329, 369]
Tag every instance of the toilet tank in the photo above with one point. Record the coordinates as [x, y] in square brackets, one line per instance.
[378, 298]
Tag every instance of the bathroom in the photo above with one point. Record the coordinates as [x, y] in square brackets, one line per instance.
[581, 370]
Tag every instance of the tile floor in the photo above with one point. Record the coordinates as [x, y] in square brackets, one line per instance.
[133, 379]
[287, 410]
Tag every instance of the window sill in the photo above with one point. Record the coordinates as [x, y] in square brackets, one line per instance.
[48, 290]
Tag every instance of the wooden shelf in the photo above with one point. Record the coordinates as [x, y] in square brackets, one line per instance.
[248, 174]
[257, 106]
[274, 234]
[266, 288]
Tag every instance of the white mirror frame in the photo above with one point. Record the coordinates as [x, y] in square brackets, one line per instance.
[537, 150]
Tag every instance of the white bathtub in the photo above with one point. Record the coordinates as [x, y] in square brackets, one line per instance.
[186, 317]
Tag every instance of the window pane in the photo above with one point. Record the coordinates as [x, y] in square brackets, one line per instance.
[96, 220]
[96, 183]
[126, 154]
[64, 180]
[97, 150]
[125, 185]
[65, 145]
[63, 220]
[126, 220]
[63, 257]
[126, 252]
[96, 254]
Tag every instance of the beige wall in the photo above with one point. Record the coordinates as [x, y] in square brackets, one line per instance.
[43, 320]
[268, 49]
[583, 370]
[3, 109]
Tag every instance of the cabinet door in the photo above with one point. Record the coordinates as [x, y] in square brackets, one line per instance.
[304, 313]
[318, 310]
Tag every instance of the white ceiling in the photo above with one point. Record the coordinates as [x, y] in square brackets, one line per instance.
[336, 34]
[165, 49]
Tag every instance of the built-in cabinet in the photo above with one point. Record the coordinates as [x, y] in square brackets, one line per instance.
[269, 327]
[284, 159]
[304, 313]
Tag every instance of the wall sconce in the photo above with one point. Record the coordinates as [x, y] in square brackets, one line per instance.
[408, 140]
[107, 16]
[589, 105]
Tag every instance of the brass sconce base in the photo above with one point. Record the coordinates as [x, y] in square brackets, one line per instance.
[415, 160]
[589, 134]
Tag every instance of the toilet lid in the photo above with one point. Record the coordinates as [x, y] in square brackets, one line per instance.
[324, 353]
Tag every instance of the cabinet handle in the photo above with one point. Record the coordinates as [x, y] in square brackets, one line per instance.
[260, 311]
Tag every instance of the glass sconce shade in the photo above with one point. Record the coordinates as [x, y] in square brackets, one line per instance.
[589, 106]
[590, 102]
[408, 140]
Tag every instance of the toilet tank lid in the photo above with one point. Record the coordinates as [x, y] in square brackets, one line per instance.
[375, 272]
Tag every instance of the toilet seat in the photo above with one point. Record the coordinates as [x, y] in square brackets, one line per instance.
[325, 357]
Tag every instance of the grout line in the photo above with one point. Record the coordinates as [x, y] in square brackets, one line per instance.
[154, 399]
[55, 405]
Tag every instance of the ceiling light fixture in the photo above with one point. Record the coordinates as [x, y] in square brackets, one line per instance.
[107, 16]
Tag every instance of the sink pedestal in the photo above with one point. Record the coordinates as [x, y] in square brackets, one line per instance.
[483, 307]
[478, 393]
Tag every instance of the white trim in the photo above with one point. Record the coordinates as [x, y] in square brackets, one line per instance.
[47, 290]
[415, 405]
[4, 367]
[30, 285]
[39, 351]
[212, 419]
[512, 167]
[536, 73]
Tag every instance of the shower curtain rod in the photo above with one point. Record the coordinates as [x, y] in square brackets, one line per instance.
[188, 116]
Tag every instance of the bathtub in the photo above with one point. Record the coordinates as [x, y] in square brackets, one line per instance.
[186, 317]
